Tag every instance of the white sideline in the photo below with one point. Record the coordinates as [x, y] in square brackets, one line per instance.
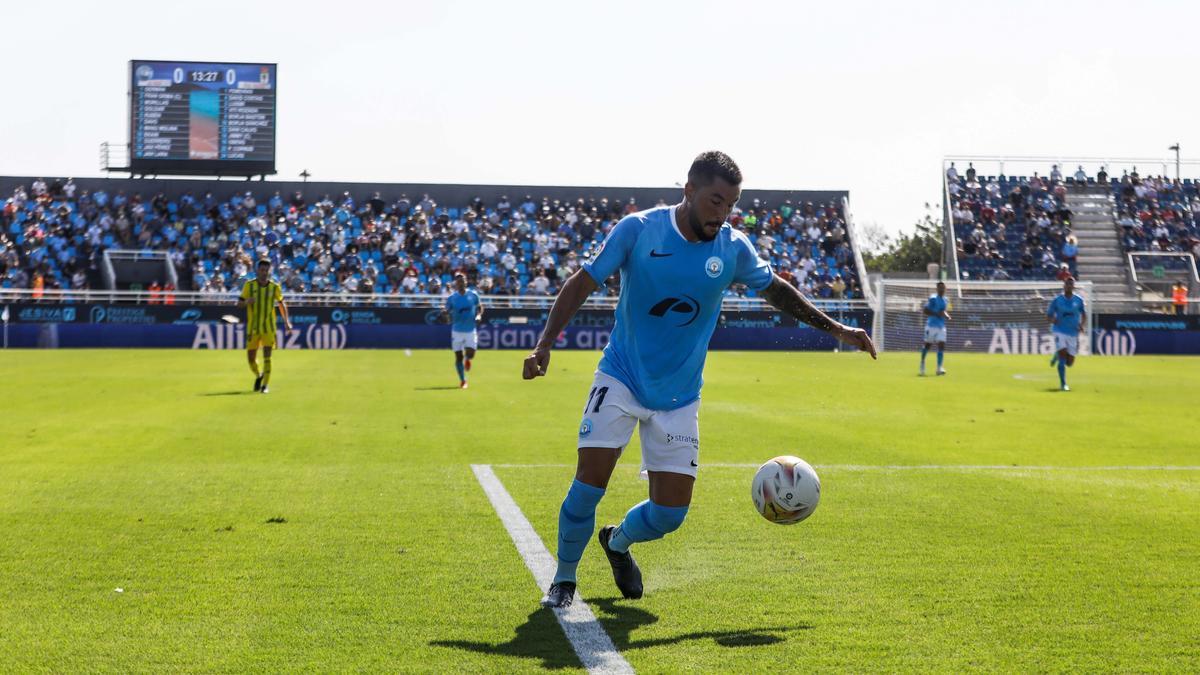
[921, 467]
[593, 646]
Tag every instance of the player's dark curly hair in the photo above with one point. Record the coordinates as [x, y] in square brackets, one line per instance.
[713, 164]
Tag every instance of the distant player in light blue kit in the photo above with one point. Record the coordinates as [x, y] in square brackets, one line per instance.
[465, 310]
[676, 263]
[1066, 315]
[936, 317]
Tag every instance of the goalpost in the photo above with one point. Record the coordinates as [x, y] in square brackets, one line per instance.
[996, 317]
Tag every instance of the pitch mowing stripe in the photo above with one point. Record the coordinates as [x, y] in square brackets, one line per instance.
[915, 467]
[593, 646]
[974, 467]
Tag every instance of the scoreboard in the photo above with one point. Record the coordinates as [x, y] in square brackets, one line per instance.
[202, 118]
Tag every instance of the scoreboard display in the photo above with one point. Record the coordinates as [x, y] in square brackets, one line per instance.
[202, 118]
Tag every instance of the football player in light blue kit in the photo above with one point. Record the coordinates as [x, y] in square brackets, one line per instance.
[676, 263]
[936, 317]
[1066, 313]
[465, 310]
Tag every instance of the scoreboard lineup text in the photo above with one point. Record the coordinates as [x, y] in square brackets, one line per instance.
[211, 112]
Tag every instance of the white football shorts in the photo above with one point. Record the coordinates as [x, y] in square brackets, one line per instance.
[1067, 342]
[935, 334]
[465, 340]
[670, 438]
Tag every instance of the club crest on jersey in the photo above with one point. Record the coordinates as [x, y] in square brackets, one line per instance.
[586, 427]
[714, 266]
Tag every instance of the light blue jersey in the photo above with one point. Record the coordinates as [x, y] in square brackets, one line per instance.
[1066, 313]
[937, 305]
[671, 292]
[463, 307]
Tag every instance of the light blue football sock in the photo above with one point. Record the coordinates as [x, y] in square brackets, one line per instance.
[924, 351]
[462, 374]
[576, 521]
[646, 522]
[1062, 372]
[941, 355]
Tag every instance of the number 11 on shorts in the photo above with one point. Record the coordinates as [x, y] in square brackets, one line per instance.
[598, 393]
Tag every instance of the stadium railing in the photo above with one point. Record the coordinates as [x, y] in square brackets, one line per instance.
[1160, 263]
[114, 156]
[856, 245]
[24, 295]
[1154, 273]
[1025, 165]
[949, 240]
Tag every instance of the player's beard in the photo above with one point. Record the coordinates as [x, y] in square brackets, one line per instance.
[698, 228]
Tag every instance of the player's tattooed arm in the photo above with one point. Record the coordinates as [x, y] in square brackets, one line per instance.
[787, 299]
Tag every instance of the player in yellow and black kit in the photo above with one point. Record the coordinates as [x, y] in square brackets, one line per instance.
[260, 296]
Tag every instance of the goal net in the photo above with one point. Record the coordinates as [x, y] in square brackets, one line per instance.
[997, 317]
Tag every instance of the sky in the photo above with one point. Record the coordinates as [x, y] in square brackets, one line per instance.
[861, 96]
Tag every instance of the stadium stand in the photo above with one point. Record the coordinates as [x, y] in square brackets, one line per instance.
[1158, 214]
[1014, 228]
[1028, 228]
[53, 236]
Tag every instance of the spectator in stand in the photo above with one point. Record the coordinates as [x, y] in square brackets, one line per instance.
[1055, 174]
[1049, 260]
[1026, 261]
[838, 286]
[540, 284]
[1179, 298]
[1162, 235]
[1102, 175]
[1070, 250]
[337, 244]
[410, 283]
[993, 190]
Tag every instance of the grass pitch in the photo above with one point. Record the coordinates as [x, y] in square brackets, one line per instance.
[158, 516]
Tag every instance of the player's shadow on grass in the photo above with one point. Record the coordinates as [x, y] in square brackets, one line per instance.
[540, 637]
[446, 388]
[621, 619]
[227, 393]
